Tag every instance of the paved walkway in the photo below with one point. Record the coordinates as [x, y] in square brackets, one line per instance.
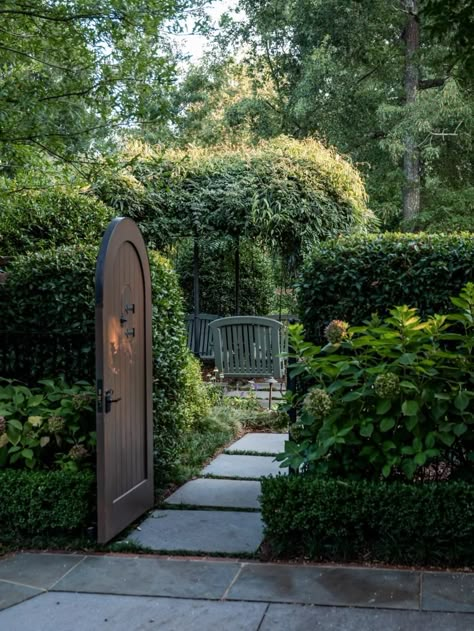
[218, 512]
[60, 592]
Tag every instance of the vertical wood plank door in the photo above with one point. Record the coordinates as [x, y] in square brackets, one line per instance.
[123, 379]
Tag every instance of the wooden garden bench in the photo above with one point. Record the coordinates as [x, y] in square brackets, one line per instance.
[200, 324]
[248, 346]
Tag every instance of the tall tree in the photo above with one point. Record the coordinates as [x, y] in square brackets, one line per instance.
[73, 71]
[370, 78]
[411, 158]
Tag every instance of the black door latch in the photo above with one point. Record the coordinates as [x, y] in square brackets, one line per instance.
[109, 400]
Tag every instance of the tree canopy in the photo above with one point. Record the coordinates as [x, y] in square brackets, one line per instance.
[72, 72]
[338, 69]
[285, 192]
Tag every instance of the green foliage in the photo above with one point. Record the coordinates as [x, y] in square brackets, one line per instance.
[350, 279]
[392, 398]
[44, 220]
[335, 69]
[74, 70]
[52, 425]
[341, 520]
[284, 192]
[217, 277]
[44, 502]
[49, 319]
[57, 287]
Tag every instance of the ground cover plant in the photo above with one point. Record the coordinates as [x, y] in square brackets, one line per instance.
[51, 426]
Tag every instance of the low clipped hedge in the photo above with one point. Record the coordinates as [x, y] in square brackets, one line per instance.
[352, 278]
[34, 503]
[344, 520]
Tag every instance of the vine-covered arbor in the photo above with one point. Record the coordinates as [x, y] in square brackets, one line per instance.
[282, 194]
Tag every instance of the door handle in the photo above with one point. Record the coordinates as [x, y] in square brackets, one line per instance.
[109, 400]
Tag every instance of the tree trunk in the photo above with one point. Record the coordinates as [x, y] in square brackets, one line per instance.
[411, 158]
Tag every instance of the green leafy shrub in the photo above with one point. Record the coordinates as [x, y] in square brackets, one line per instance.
[349, 520]
[47, 426]
[56, 288]
[285, 190]
[44, 502]
[49, 319]
[394, 397]
[217, 277]
[350, 279]
[44, 220]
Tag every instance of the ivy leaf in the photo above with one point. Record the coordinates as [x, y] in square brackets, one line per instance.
[351, 396]
[367, 430]
[383, 406]
[410, 408]
[387, 424]
[420, 458]
[461, 401]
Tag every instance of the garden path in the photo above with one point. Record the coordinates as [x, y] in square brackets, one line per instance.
[219, 512]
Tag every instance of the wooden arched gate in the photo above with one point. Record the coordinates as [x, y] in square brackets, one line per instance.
[124, 379]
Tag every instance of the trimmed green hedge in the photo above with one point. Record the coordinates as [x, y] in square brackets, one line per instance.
[44, 502]
[49, 297]
[344, 520]
[42, 220]
[351, 278]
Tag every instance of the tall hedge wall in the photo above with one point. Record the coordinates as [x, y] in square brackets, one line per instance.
[352, 278]
[41, 220]
[48, 307]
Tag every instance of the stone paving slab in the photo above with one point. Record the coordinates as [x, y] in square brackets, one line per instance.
[260, 443]
[328, 586]
[308, 618]
[150, 577]
[37, 570]
[12, 594]
[89, 612]
[222, 493]
[229, 466]
[230, 532]
[448, 592]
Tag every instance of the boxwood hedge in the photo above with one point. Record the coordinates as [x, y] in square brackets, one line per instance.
[351, 278]
[348, 520]
[35, 503]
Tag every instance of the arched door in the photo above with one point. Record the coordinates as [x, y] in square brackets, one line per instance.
[124, 379]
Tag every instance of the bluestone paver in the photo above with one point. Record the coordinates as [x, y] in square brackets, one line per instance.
[13, 593]
[328, 586]
[260, 443]
[448, 592]
[223, 493]
[90, 612]
[38, 570]
[306, 618]
[150, 577]
[228, 466]
[230, 532]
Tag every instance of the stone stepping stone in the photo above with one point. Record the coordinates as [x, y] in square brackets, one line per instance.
[219, 493]
[260, 443]
[231, 466]
[229, 532]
